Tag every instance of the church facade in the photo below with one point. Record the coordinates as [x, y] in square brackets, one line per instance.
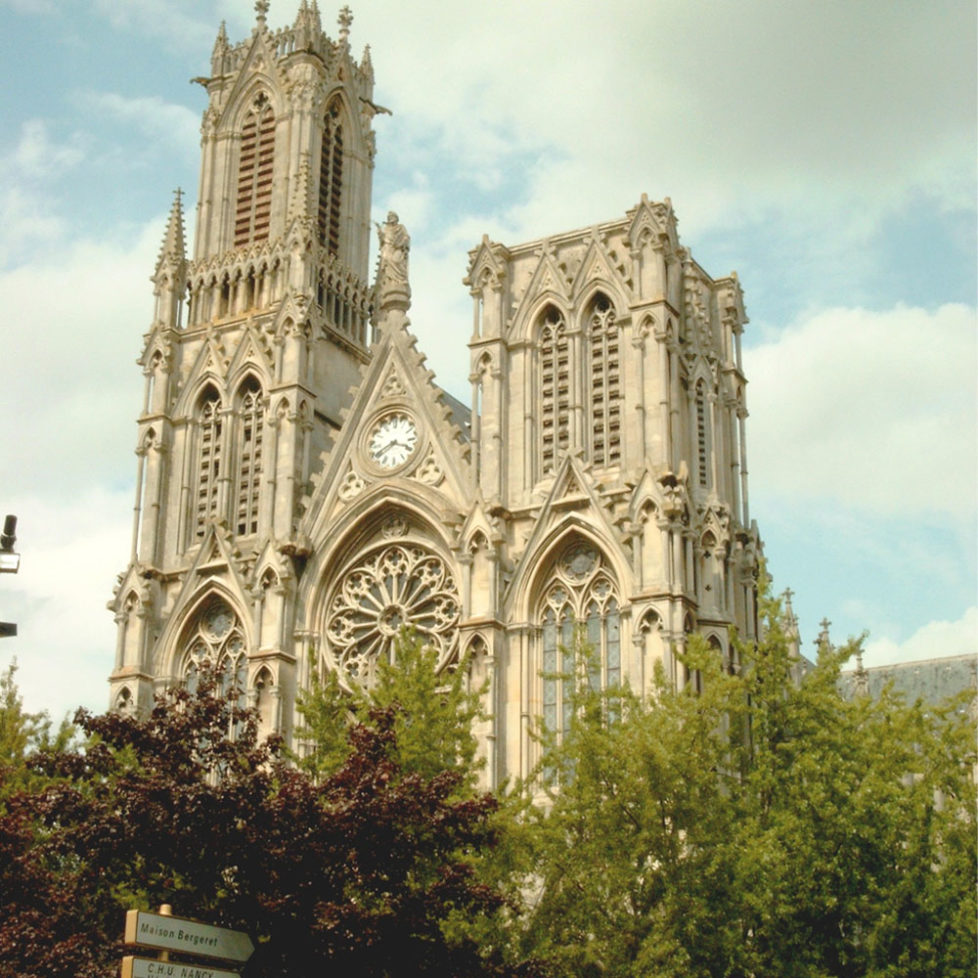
[305, 489]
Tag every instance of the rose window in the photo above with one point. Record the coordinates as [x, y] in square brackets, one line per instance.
[397, 586]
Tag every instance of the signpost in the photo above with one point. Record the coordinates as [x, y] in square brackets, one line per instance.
[165, 933]
[148, 968]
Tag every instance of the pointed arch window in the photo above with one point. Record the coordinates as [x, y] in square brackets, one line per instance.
[604, 382]
[554, 389]
[216, 639]
[580, 601]
[209, 431]
[253, 208]
[331, 179]
[250, 425]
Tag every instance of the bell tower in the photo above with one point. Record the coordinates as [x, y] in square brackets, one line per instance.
[256, 341]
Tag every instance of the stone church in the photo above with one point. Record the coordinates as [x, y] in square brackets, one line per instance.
[305, 489]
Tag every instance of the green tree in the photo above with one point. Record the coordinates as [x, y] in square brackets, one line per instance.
[435, 714]
[752, 825]
[21, 735]
[855, 826]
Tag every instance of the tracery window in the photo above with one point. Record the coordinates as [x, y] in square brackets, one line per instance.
[331, 179]
[253, 208]
[580, 599]
[209, 425]
[605, 383]
[250, 423]
[216, 640]
[399, 584]
[554, 389]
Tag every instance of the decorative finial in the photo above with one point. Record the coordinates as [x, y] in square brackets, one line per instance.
[823, 635]
[261, 8]
[345, 19]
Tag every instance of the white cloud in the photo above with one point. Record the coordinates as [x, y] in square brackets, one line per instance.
[873, 409]
[74, 326]
[936, 638]
[174, 125]
[176, 22]
[71, 550]
[28, 214]
[36, 155]
[837, 111]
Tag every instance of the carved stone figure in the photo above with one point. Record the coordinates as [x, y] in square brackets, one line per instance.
[395, 243]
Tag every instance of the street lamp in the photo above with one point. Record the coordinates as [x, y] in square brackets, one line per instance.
[9, 563]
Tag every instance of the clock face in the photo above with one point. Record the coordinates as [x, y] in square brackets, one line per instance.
[393, 440]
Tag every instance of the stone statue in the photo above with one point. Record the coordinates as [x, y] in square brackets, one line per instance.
[395, 242]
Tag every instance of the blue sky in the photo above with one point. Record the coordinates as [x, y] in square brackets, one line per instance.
[826, 151]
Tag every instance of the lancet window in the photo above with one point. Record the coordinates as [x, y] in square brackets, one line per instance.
[253, 208]
[605, 383]
[400, 584]
[331, 179]
[580, 604]
[209, 446]
[250, 424]
[554, 389]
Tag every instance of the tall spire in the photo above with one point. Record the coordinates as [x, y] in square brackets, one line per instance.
[173, 250]
[220, 51]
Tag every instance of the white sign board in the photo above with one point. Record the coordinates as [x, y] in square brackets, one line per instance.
[188, 936]
[145, 968]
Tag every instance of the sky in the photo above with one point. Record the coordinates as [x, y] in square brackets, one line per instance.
[825, 150]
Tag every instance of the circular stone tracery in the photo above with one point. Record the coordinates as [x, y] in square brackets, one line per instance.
[399, 585]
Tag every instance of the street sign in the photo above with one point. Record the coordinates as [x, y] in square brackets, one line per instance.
[188, 936]
[147, 968]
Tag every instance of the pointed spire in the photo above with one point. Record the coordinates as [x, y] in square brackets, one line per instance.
[366, 63]
[173, 250]
[220, 52]
[261, 9]
[301, 26]
[790, 619]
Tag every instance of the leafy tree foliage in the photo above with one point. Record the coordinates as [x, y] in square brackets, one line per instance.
[362, 873]
[751, 826]
[22, 734]
[435, 713]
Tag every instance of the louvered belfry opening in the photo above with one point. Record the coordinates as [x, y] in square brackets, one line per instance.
[250, 458]
[605, 384]
[254, 201]
[331, 180]
[208, 458]
[554, 389]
